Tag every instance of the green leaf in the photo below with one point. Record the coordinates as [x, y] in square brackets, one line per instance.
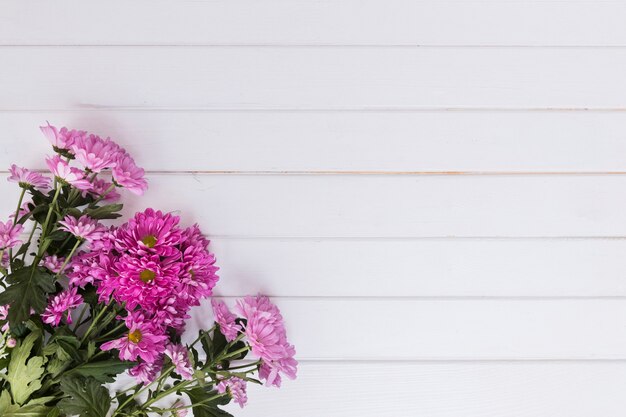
[69, 346]
[5, 401]
[105, 212]
[209, 408]
[26, 411]
[29, 289]
[103, 371]
[85, 397]
[24, 374]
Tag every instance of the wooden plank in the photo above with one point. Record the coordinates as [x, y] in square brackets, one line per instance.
[422, 268]
[281, 22]
[443, 390]
[339, 141]
[448, 329]
[386, 205]
[342, 78]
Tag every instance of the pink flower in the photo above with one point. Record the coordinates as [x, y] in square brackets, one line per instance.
[267, 337]
[27, 179]
[100, 187]
[60, 306]
[11, 342]
[63, 139]
[199, 270]
[236, 388]
[25, 209]
[84, 228]
[129, 175]
[180, 359]
[144, 340]
[53, 263]
[94, 153]
[150, 232]
[179, 409]
[9, 234]
[66, 174]
[146, 373]
[225, 319]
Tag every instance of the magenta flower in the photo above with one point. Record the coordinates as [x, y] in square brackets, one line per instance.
[67, 174]
[199, 270]
[84, 228]
[180, 359]
[236, 388]
[101, 188]
[63, 139]
[94, 153]
[144, 340]
[27, 179]
[53, 263]
[60, 306]
[225, 319]
[129, 175]
[150, 232]
[146, 373]
[9, 234]
[267, 337]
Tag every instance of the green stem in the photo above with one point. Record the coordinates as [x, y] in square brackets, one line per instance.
[67, 259]
[109, 333]
[80, 318]
[163, 375]
[19, 205]
[50, 209]
[95, 320]
[215, 397]
[30, 239]
[104, 194]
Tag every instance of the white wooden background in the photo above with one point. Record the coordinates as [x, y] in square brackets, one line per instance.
[434, 192]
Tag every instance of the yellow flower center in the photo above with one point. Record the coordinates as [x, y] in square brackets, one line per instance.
[149, 241]
[146, 275]
[135, 336]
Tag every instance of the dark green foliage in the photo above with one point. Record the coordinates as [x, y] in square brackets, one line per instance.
[29, 289]
[85, 397]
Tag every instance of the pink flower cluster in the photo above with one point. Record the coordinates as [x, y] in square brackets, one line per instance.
[61, 306]
[153, 266]
[94, 154]
[265, 333]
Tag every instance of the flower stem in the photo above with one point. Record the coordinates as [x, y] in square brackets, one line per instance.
[95, 320]
[67, 259]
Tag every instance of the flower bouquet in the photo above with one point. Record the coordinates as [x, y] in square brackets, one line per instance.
[84, 303]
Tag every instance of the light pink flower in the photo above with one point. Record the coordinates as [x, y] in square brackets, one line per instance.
[180, 359]
[146, 373]
[67, 174]
[236, 388]
[144, 340]
[11, 342]
[99, 187]
[94, 153]
[129, 175]
[267, 337]
[84, 228]
[9, 234]
[60, 306]
[225, 319]
[63, 139]
[4, 314]
[53, 263]
[150, 232]
[24, 209]
[179, 410]
[27, 179]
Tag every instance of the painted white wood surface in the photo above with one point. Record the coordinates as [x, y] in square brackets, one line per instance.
[314, 22]
[321, 148]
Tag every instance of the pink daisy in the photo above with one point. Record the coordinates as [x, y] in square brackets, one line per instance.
[27, 179]
[63, 139]
[9, 234]
[150, 232]
[60, 306]
[236, 388]
[94, 153]
[225, 319]
[143, 340]
[179, 356]
[146, 373]
[129, 175]
[98, 189]
[84, 228]
[53, 263]
[199, 270]
[67, 174]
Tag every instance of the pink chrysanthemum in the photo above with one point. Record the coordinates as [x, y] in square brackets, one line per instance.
[146, 373]
[4, 314]
[53, 263]
[225, 319]
[24, 209]
[128, 175]
[150, 232]
[61, 139]
[267, 337]
[143, 340]
[179, 409]
[84, 228]
[95, 153]
[60, 306]
[236, 388]
[199, 270]
[27, 179]
[9, 234]
[67, 174]
[179, 356]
